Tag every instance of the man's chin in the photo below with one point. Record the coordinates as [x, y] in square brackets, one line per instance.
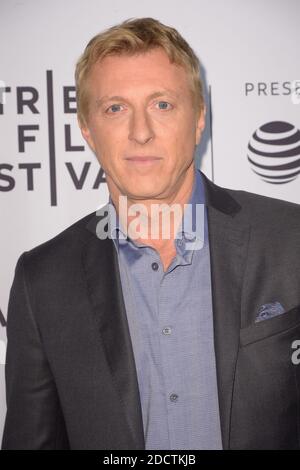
[144, 194]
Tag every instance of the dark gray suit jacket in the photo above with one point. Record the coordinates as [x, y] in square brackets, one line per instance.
[70, 373]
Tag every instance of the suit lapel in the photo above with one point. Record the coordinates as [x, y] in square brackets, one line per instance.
[228, 238]
[104, 286]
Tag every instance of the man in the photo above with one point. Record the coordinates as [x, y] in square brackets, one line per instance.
[122, 340]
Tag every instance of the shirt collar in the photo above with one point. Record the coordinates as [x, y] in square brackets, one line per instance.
[116, 229]
[192, 226]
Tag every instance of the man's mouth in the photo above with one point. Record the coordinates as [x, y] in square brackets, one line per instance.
[145, 159]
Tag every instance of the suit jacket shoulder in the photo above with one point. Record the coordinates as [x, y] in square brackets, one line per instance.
[255, 209]
[60, 248]
[268, 210]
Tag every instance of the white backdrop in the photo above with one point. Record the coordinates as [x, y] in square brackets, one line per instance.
[250, 56]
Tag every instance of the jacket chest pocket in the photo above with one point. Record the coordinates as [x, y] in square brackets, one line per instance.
[272, 326]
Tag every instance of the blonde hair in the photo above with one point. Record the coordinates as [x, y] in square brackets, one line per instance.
[137, 36]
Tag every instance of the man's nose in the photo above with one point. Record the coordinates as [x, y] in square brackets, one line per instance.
[140, 127]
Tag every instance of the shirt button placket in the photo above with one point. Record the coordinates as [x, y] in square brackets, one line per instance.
[173, 397]
[154, 266]
[167, 330]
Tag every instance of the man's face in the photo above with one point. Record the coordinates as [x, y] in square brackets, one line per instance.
[142, 124]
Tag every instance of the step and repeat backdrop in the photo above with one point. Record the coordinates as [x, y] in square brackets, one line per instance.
[49, 178]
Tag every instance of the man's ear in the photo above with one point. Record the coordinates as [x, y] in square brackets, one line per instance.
[200, 124]
[86, 134]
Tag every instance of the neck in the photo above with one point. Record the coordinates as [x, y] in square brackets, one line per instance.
[155, 221]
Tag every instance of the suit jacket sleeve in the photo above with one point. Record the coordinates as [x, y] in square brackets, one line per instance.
[34, 418]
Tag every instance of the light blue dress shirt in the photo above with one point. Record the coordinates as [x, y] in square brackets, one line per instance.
[170, 321]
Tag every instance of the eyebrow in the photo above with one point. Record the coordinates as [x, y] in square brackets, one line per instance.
[157, 94]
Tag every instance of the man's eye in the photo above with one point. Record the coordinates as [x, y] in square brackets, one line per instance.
[113, 108]
[164, 105]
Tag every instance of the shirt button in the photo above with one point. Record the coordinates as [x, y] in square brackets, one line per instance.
[154, 266]
[167, 330]
[173, 397]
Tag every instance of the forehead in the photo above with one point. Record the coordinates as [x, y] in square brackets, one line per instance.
[152, 68]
